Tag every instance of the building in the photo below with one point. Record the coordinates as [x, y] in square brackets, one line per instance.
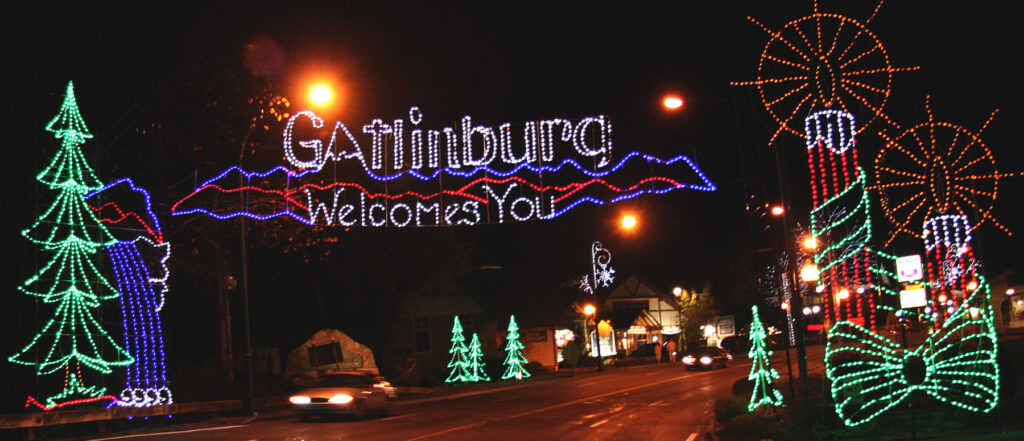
[641, 314]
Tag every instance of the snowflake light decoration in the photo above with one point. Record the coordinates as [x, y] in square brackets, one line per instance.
[601, 258]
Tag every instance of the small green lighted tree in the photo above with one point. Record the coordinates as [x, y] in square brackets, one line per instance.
[69, 231]
[459, 353]
[761, 371]
[476, 368]
[515, 361]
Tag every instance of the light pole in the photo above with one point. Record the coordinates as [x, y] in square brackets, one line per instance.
[320, 95]
[602, 275]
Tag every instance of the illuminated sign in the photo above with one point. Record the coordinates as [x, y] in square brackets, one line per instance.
[913, 296]
[908, 268]
[414, 176]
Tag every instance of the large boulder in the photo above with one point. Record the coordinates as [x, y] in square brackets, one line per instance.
[329, 350]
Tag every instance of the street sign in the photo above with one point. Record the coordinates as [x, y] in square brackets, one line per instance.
[908, 268]
[726, 326]
[914, 296]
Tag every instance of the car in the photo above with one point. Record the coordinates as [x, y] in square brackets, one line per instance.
[707, 358]
[353, 393]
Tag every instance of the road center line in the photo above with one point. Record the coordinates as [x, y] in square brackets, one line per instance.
[599, 423]
[397, 417]
[174, 432]
[692, 436]
[556, 406]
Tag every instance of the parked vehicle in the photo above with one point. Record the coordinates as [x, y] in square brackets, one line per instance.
[345, 393]
[707, 358]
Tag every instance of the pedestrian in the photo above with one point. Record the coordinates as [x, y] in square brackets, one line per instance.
[657, 351]
[670, 347]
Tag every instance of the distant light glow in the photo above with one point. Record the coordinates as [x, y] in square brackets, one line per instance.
[628, 221]
[672, 102]
[778, 210]
[810, 243]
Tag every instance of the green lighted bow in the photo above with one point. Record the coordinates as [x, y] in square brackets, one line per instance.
[956, 364]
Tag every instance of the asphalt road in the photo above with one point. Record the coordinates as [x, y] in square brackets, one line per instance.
[648, 402]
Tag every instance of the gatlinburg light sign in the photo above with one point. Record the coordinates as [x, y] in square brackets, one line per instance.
[407, 174]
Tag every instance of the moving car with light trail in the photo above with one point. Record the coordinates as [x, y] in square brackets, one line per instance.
[352, 393]
[707, 358]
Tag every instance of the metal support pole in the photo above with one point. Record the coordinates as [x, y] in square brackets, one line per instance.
[797, 303]
[250, 398]
[250, 389]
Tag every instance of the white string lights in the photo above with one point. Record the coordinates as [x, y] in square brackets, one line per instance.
[470, 145]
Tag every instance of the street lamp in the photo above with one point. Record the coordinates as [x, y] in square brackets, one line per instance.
[809, 273]
[320, 94]
[672, 102]
[628, 222]
[677, 291]
[810, 243]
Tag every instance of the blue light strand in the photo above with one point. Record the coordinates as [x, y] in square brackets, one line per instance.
[708, 185]
[146, 384]
[133, 187]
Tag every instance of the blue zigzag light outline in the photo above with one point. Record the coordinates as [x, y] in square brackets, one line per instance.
[707, 186]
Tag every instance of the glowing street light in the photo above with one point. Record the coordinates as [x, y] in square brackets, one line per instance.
[810, 243]
[809, 273]
[672, 102]
[677, 291]
[778, 210]
[589, 309]
[628, 222]
[843, 294]
[320, 94]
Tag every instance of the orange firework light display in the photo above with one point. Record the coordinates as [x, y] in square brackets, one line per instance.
[822, 61]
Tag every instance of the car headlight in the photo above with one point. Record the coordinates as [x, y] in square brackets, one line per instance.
[689, 359]
[299, 399]
[340, 399]
[705, 360]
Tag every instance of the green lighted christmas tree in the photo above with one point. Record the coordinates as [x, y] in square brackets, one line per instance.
[476, 365]
[459, 352]
[761, 372]
[74, 337]
[514, 358]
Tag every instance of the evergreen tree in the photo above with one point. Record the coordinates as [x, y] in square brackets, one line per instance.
[459, 352]
[74, 337]
[761, 371]
[476, 366]
[515, 361]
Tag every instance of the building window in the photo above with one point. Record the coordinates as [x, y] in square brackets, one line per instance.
[422, 330]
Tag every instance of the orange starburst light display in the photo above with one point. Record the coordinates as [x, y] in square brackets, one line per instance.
[936, 168]
[822, 61]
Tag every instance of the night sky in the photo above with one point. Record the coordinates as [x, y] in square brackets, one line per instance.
[166, 92]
